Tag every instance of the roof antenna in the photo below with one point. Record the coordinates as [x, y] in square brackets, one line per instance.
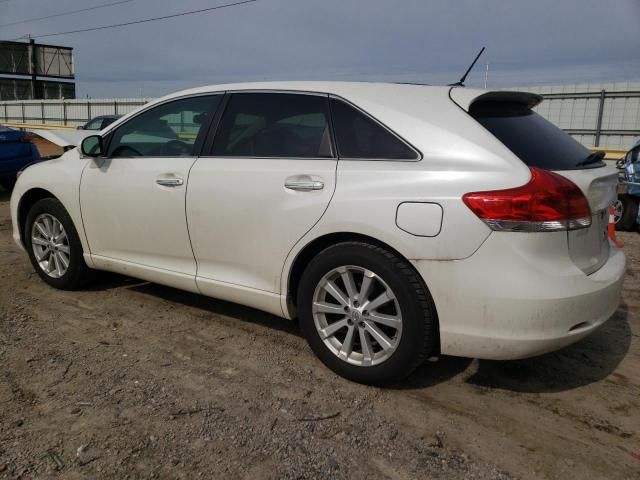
[460, 83]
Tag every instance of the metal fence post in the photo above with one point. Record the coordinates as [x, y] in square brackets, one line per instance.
[600, 113]
[88, 110]
[115, 107]
[23, 119]
[42, 112]
[64, 112]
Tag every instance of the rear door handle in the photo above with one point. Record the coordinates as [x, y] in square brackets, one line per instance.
[170, 182]
[304, 185]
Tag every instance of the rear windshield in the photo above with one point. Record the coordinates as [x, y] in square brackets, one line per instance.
[535, 140]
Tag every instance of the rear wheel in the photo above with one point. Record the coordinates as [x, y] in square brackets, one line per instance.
[54, 247]
[366, 313]
[626, 213]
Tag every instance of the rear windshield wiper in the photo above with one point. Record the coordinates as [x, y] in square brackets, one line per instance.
[595, 157]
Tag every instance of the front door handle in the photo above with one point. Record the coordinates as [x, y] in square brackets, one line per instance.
[304, 185]
[170, 182]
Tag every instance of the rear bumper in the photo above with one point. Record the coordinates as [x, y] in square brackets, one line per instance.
[515, 299]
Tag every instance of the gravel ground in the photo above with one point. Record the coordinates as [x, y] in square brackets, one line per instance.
[133, 380]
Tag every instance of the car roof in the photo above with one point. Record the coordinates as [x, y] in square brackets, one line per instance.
[338, 88]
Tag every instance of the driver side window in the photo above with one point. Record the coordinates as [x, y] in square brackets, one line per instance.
[168, 130]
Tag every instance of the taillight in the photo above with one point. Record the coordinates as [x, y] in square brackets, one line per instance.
[549, 202]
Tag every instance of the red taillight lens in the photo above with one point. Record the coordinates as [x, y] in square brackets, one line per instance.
[549, 202]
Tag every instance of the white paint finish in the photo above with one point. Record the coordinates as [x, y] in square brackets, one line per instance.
[144, 272]
[368, 194]
[266, 301]
[589, 247]
[519, 295]
[128, 217]
[498, 295]
[61, 178]
[243, 221]
[422, 219]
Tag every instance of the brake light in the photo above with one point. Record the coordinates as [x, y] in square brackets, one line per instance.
[549, 202]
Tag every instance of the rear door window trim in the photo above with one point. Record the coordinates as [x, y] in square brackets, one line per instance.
[207, 151]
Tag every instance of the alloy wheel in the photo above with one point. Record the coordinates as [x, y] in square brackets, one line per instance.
[357, 315]
[50, 245]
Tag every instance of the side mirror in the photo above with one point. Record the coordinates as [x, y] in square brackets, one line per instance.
[91, 146]
[620, 164]
[80, 127]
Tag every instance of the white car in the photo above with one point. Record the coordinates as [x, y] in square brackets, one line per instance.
[397, 222]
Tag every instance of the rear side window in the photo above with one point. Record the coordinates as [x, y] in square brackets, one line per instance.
[274, 125]
[535, 140]
[359, 136]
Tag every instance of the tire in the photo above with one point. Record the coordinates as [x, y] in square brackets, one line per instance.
[76, 274]
[406, 346]
[626, 213]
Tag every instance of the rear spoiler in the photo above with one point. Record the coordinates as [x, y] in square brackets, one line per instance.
[465, 97]
[62, 138]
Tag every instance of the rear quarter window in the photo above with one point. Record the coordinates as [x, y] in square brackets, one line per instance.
[360, 137]
[532, 138]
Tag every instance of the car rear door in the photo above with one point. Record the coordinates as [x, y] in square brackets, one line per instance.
[267, 179]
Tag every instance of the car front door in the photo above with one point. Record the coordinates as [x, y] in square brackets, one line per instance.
[267, 179]
[133, 200]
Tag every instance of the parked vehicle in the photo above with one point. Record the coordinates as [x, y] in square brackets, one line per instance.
[16, 151]
[397, 222]
[626, 206]
[99, 123]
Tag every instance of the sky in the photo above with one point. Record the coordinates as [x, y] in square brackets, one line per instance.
[528, 42]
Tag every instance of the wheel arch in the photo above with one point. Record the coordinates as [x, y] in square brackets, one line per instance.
[315, 246]
[28, 200]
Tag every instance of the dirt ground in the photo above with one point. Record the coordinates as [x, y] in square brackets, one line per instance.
[134, 380]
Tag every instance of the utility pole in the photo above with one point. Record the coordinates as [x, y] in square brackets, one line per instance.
[33, 67]
[486, 74]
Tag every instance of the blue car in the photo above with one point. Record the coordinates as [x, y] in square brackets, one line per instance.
[16, 152]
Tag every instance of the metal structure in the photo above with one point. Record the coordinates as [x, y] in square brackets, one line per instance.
[32, 61]
[598, 132]
[597, 115]
[65, 112]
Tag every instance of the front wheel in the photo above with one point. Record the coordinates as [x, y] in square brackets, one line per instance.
[54, 247]
[366, 313]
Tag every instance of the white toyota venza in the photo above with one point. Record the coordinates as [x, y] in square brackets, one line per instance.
[397, 222]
